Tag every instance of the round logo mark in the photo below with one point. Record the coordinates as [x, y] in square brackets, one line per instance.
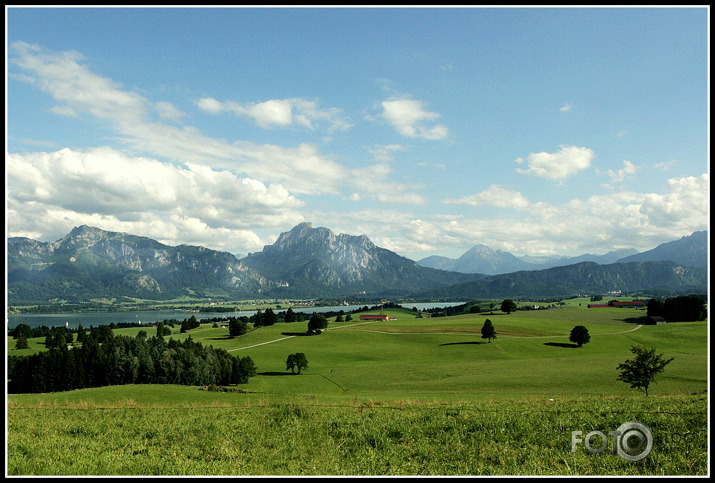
[634, 442]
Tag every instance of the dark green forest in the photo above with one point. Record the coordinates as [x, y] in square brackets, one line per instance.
[108, 360]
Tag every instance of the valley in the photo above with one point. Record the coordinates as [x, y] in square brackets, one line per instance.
[376, 396]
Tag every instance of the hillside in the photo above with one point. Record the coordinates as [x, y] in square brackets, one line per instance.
[691, 251]
[586, 278]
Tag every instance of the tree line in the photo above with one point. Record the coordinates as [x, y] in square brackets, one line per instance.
[108, 360]
[679, 309]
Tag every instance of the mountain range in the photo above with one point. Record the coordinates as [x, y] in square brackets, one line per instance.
[307, 262]
[91, 263]
[690, 251]
[315, 260]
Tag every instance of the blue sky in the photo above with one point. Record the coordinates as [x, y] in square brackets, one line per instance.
[538, 131]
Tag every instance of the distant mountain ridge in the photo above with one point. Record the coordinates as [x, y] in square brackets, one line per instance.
[691, 251]
[305, 262]
[482, 259]
[585, 278]
[93, 263]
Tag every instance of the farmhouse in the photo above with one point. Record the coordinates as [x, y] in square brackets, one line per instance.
[633, 304]
[375, 317]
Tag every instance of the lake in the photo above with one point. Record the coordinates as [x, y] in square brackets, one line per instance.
[149, 317]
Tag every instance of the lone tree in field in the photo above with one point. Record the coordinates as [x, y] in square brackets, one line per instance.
[317, 323]
[579, 335]
[236, 327]
[297, 360]
[22, 342]
[508, 306]
[488, 331]
[641, 371]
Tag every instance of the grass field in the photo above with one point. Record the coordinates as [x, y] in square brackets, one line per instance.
[412, 396]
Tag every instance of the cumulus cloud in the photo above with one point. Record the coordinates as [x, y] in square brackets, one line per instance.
[628, 170]
[110, 189]
[412, 120]
[567, 161]
[617, 220]
[279, 113]
[134, 118]
[373, 182]
[686, 204]
[495, 195]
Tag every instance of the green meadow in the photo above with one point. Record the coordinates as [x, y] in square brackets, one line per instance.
[411, 396]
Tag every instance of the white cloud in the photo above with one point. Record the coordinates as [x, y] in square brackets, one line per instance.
[425, 164]
[64, 111]
[495, 195]
[167, 111]
[624, 219]
[106, 188]
[411, 119]
[373, 181]
[279, 113]
[686, 204]
[628, 170]
[565, 108]
[567, 161]
[384, 152]
[665, 166]
[62, 76]
[210, 105]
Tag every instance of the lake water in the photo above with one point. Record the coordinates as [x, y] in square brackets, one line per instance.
[149, 317]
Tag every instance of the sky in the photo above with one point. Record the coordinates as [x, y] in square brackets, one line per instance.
[537, 131]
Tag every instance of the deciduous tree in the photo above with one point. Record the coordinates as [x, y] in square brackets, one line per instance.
[508, 306]
[641, 371]
[579, 335]
[317, 323]
[296, 361]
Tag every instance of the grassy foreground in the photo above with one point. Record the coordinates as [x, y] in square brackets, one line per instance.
[405, 397]
[193, 432]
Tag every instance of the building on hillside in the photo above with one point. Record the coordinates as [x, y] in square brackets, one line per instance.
[656, 320]
[375, 317]
[633, 304]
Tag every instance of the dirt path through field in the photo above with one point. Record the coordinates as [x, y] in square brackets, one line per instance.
[291, 336]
